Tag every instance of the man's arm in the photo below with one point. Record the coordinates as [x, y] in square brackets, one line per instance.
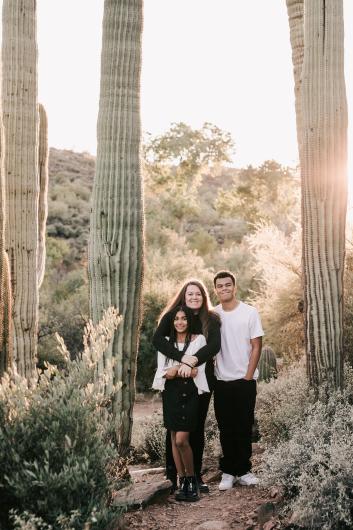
[160, 342]
[256, 345]
[210, 349]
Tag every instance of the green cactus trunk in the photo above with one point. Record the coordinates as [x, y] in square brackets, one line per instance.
[43, 158]
[324, 173]
[116, 231]
[322, 139]
[5, 283]
[267, 365]
[20, 116]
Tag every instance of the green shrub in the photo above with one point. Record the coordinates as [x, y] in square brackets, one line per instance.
[56, 455]
[280, 403]
[212, 443]
[313, 463]
[153, 304]
[149, 439]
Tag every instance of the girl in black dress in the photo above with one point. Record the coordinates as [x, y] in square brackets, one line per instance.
[180, 399]
[194, 295]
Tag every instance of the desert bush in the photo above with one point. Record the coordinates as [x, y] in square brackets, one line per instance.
[63, 303]
[153, 304]
[212, 443]
[313, 462]
[281, 403]
[56, 454]
[172, 260]
[203, 243]
[236, 257]
[148, 439]
[279, 296]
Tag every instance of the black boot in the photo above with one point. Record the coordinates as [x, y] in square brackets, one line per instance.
[203, 487]
[180, 494]
[172, 476]
[174, 482]
[191, 489]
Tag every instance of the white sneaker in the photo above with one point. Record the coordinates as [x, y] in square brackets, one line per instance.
[226, 482]
[248, 480]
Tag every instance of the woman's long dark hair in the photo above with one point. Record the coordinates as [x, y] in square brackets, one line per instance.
[205, 313]
[189, 318]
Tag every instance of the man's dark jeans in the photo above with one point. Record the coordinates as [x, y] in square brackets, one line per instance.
[234, 403]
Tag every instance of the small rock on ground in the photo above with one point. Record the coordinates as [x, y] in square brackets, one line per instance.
[213, 525]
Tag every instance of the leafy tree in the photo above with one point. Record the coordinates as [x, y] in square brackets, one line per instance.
[187, 151]
[269, 192]
[174, 163]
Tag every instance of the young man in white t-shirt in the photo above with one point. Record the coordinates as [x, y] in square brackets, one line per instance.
[236, 373]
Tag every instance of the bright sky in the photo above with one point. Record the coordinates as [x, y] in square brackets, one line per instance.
[223, 61]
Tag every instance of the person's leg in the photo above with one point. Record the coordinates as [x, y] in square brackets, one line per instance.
[177, 456]
[224, 405]
[234, 408]
[197, 437]
[185, 451]
[243, 433]
[170, 469]
[180, 490]
[190, 489]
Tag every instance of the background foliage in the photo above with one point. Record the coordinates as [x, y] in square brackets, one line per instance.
[195, 225]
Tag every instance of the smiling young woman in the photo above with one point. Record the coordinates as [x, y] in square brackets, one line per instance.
[194, 295]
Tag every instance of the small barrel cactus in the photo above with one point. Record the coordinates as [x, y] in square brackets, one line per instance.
[267, 365]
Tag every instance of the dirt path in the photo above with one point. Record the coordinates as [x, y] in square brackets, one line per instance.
[237, 508]
[233, 509]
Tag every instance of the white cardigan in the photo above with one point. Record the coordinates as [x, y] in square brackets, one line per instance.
[163, 363]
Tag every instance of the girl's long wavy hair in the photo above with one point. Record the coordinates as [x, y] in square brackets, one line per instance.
[205, 312]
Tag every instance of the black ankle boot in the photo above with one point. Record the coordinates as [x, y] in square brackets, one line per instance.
[180, 494]
[203, 488]
[191, 489]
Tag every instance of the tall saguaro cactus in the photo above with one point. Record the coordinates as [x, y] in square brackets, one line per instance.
[5, 284]
[116, 232]
[322, 138]
[20, 115]
[43, 158]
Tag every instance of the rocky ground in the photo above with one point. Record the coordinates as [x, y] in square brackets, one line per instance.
[241, 508]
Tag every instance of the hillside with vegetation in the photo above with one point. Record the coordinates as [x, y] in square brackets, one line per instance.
[202, 215]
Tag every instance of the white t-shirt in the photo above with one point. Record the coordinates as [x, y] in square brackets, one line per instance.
[163, 363]
[237, 328]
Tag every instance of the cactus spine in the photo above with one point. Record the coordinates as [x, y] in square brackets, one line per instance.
[43, 157]
[267, 365]
[116, 230]
[322, 139]
[20, 115]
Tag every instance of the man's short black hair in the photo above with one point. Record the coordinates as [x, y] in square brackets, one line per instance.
[224, 274]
